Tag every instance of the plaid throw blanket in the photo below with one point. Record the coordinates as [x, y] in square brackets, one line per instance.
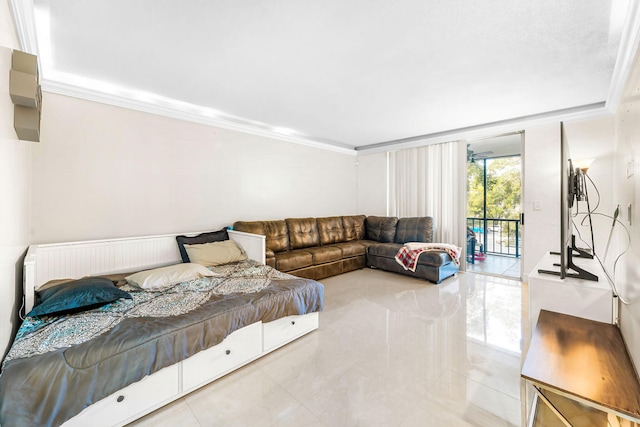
[408, 255]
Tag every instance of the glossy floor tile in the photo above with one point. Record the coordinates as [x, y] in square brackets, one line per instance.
[390, 351]
[497, 264]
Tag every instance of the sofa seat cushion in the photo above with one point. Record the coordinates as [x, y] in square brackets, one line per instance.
[389, 250]
[324, 254]
[293, 260]
[386, 250]
[351, 249]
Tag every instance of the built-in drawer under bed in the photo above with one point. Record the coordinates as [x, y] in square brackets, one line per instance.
[32, 389]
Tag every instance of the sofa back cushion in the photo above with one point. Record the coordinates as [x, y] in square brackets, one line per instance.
[254, 227]
[414, 230]
[381, 228]
[353, 227]
[303, 232]
[330, 230]
[276, 233]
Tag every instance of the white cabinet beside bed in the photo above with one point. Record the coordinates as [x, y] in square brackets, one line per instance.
[78, 259]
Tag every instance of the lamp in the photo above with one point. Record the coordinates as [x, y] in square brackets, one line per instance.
[582, 195]
[583, 164]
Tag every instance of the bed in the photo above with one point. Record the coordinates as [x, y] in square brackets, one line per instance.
[147, 351]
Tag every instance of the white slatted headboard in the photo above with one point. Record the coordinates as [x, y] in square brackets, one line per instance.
[78, 259]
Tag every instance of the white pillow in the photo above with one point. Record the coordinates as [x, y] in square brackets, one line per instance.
[164, 277]
[215, 253]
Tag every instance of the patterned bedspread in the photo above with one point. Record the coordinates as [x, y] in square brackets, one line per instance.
[42, 335]
[78, 359]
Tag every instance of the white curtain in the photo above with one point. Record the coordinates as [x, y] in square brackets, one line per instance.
[431, 181]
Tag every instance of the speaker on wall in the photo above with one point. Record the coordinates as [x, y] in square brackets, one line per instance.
[26, 95]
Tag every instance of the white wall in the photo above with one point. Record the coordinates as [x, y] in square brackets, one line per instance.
[594, 139]
[8, 36]
[14, 192]
[372, 184]
[627, 191]
[102, 171]
[541, 183]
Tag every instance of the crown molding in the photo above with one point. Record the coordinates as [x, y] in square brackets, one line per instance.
[193, 113]
[172, 108]
[626, 55]
[491, 129]
[24, 19]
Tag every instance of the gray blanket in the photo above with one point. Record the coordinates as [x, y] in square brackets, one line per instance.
[49, 388]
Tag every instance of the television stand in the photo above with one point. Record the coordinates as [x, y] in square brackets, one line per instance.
[572, 270]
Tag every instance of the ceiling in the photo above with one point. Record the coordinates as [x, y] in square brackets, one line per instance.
[351, 75]
[495, 147]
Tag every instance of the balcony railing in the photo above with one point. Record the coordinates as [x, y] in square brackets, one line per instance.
[496, 236]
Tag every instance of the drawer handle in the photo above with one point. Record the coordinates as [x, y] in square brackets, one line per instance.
[228, 352]
[120, 398]
[293, 322]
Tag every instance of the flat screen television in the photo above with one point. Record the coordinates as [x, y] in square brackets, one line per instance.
[568, 190]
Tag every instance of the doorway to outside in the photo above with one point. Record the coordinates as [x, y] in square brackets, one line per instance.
[494, 187]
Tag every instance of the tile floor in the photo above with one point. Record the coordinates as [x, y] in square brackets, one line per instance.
[497, 264]
[390, 351]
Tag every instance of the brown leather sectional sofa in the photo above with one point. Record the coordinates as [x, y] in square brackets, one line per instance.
[316, 248]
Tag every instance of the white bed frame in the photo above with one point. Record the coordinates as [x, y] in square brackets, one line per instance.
[78, 259]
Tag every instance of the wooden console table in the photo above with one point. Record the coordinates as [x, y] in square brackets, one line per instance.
[585, 361]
